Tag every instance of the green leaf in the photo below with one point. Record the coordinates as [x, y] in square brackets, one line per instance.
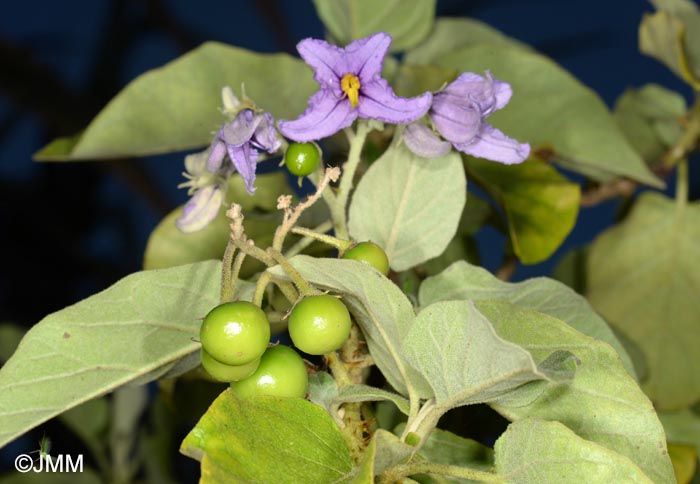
[407, 21]
[585, 138]
[475, 365]
[540, 205]
[379, 307]
[671, 40]
[642, 278]
[169, 247]
[649, 117]
[682, 427]
[603, 404]
[267, 439]
[142, 328]
[450, 34]
[176, 107]
[391, 201]
[536, 451]
[465, 281]
[384, 451]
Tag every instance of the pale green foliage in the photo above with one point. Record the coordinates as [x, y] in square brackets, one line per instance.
[532, 451]
[456, 349]
[140, 329]
[175, 107]
[407, 21]
[408, 205]
[384, 451]
[649, 117]
[602, 403]
[643, 278]
[465, 281]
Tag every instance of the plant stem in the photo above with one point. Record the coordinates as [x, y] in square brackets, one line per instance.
[230, 287]
[339, 244]
[682, 184]
[688, 139]
[260, 286]
[227, 282]
[305, 289]
[339, 208]
[307, 241]
[396, 473]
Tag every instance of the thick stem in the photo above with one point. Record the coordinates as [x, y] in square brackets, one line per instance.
[339, 209]
[260, 286]
[396, 473]
[339, 244]
[682, 184]
[227, 282]
[305, 289]
[230, 287]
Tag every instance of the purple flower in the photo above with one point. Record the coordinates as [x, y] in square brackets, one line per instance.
[350, 87]
[458, 114]
[242, 138]
[201, 209]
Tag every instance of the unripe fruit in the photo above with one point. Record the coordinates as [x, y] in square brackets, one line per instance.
[302, 159]
[227, 373]
[369, 253]
[319, 324]
[235, 333]
[281, 373]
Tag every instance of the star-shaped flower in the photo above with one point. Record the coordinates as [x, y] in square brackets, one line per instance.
[241, 139]
[458, 114]
[351, 86]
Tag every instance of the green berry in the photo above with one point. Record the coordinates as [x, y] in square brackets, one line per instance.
[281, 373]
[369, 253]
[302, 159]
[235, 333]
[319, 324]
[227, 373]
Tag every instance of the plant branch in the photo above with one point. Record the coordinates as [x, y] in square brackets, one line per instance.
[307, 241]
[339, 209]
[396, 473]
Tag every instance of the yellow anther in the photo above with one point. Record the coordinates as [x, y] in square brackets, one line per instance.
[350, 84]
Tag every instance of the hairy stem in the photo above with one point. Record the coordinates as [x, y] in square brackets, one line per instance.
[339, 244]
[307, 241]
[339, 208]
[305, 289]
[396, 473]
[228, 283]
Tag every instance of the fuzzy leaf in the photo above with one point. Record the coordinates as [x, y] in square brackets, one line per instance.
[536, 451]
[603, 404]
[643, 279]
[176, 107]
[465, 281]
[407, 21]
[474, 365]
[407, 188]
[142, 328]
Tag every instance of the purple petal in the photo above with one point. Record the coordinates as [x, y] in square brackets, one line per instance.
[422, 141]
[201, 209]
[470, 87]
[265, 136]
[378, 101]
[364, 57]
[241, 129]
[503, 92]
[327, 61]
[456, 121]
[493, 145]
[216, 155]
[244, 158]
[326, 115]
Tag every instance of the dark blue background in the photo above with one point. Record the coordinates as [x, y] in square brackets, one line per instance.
[69, 230]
